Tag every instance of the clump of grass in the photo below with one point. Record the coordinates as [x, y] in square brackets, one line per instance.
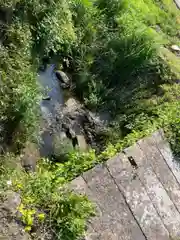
[125, 44]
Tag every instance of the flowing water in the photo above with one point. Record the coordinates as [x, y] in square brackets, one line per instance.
[51, 106]
[51, 89]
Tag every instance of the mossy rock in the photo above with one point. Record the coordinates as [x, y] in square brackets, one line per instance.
[62, 146]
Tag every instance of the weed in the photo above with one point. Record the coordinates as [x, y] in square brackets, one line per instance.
[27, 217]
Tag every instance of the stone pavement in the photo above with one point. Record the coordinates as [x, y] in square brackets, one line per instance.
[137, 193]
[177, 2]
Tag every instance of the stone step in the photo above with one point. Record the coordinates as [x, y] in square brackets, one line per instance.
[136, 196]
[158, 195]
[152, 147]
[116, 216]
[165, 149]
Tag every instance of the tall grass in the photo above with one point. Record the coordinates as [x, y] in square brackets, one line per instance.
[126, 63]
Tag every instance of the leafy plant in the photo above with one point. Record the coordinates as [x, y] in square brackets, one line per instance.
[55, 32]
[27, 217]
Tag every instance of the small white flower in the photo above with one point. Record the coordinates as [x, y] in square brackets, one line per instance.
[9, 182]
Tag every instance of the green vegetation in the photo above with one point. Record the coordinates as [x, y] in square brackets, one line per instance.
[116, 52]
[47, 204]
[120, 60]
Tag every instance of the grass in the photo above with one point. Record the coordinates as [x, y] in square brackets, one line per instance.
[128, 68]
[124, 48]
[119, 55]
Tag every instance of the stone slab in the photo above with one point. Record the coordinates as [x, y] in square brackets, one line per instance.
[116, 215]
[129, 183]
[137, 197]
[151, 146]
[79, 186]
[159, 197]
[165, 149]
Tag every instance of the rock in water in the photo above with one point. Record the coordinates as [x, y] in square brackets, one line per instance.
[63, 78]
[175, 48]
[46, 98]
[84, 127]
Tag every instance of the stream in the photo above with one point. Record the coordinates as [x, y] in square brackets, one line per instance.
[51, 106]
[66, 118]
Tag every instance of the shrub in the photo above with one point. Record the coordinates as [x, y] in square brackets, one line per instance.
[77, 163]
[122, 47]
[18, 84]
[55, 31]
[34, 30]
